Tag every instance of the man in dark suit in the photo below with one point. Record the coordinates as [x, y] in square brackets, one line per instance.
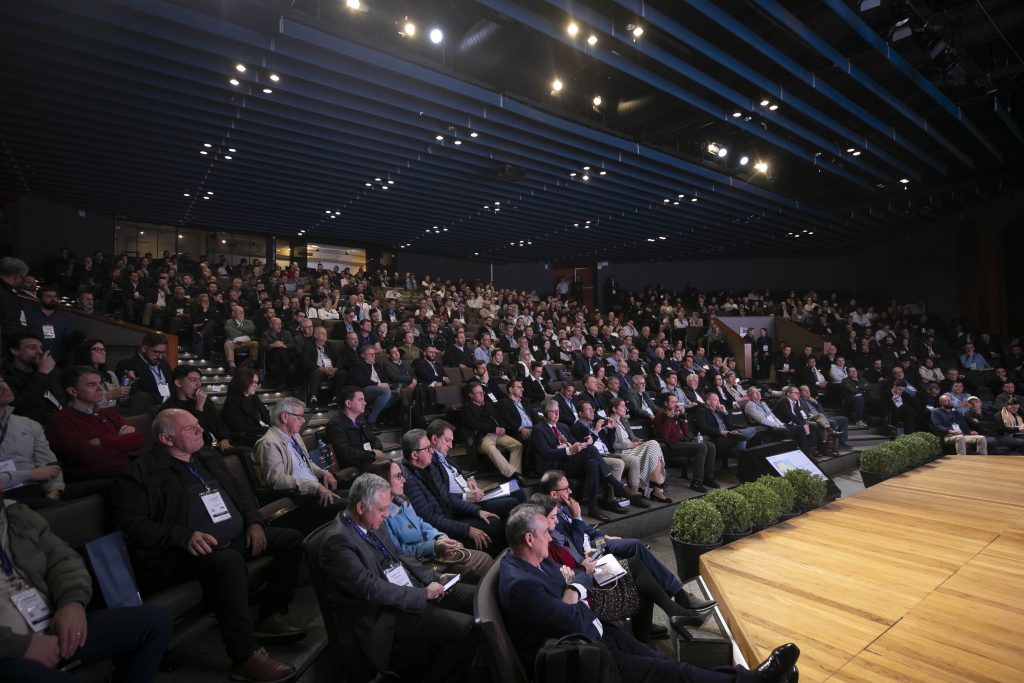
[458, 354]
[393, 604]
[480, 417]
[276, 344]
[441, 435]
[433, 500]
[568, 412]
[429, 373]
[540, 601]
[149, 372]
[319, 366]
[535, 387]
[585, 364]
[813, 377]
[798, 425]
[368, 375]
[554, 447]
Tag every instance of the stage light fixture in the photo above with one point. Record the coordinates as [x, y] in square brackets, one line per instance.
[572, 29]
[556, 85]
[409, 30]
[761, 167]
[436, 36]
[744, 160]
[592, 40]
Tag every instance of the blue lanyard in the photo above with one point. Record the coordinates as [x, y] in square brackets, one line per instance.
[6, 564]
[369, 538]
[193, 469]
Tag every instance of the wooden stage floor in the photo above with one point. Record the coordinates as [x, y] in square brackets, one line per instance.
[920, 578]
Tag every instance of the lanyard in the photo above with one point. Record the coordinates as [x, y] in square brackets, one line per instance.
[158, 373]
[6, 565]
[193, 469]
[369, 538]
[298, 452]
[7, 423]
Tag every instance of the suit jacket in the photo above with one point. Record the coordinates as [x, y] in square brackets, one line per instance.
[395, 374]
[580, 431]
[354, 571]
[146, 381]
[347, 440]
[509, 417]
[454, 357]
[246, 417]
[567, 411]
[427, 372]
[531, 601]
[546, 447]
[536, 390]
[359, 374]
[428, 491]
[308, 359]
[706, 424]
[481, 420]
[582, 367]
[274, 464]
[784, 409]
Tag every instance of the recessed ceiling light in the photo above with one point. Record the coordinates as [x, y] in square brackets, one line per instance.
[327, 211]
[761, 167]
[142, 232]
[676, 203]
[744, 160]
[602, 173]
[592, 40]
[240, 68]
[458, 142]
[573, 174]
[556, 85]
[585, 177]
[439, 137]
[233, 81]
[384, 187]
[904, 180]
[662, 237]
[391, 182]
[737, 114]
[773, 107]
[228, 157]
[207, 145]
[586, 168]
[275, 78]
[181, 237]
[666, 200]
[572, 29]
[232, 150]
[203, 152]
[205, 197]
[476, 253]
[267, 91]
[436, 36]
[694, 199]
[376, 180]
[851, 149]
[637, 31]
[765, 103]
[409, 29]
[474, 134]
[444, 229]
[857, 153]
[223, 241]
[209, 192]
[369, 184]
[650, 239]
[681, 196]
[187, 194]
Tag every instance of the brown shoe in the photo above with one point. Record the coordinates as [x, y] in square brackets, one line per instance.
[260, 667]
[273, 630]
[596, 513]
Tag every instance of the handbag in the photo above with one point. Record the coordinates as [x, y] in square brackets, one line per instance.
[618, 600]
[574, 658]
[108, 559]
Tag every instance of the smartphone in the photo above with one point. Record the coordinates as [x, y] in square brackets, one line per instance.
[451, 582]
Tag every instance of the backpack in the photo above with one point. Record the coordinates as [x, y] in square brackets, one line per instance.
[575, 658]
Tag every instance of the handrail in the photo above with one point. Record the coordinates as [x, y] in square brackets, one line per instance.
[741, 350]
[787, 331]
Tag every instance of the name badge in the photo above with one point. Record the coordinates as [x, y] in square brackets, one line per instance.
[367, 446]
[49, 332]
[263, 424]
[601, 413]
[765, 348]
[215, 506]
[165, 391]
[33, 609]
[397, 575]
[461, 481]
[491, 396]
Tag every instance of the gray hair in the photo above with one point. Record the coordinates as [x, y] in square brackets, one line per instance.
[522, 521]
[13, 267]
[411, 441]
[163, 423]
[365, 488]
[285, 405]
[548, 405]
[751, 390]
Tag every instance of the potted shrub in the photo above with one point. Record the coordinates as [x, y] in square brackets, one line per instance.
[928, 443]
[904, 451]
[808, 490]
[765, 506]
[784, 490]
[696, 528]
[918, 449]
[877, 464]
[735, 511]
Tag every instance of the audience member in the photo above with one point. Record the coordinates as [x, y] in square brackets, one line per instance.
[649, 474]
[27, 370]
[149, 374]
[354, 443]
[190, 396]
[319, 369]
[481, 418]
[244, 414]
[239, 332]
[28, 468]
[367, 374]
[950, 425]
[52, 325]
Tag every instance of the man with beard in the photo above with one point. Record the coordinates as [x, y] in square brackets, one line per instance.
[52, 325]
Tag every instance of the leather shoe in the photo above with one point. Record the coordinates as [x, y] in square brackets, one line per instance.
[691, 601]
[698, 487]
[657, 632]
[611, 505]
[780, 667]
[273, 630]
[679, 622]
[711, 483]
[260, 667]
[639, 500]
[596, 513]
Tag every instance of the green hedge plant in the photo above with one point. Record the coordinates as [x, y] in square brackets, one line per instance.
[734, 508]
[880, 460]
[782, 488]
[808, 489]
[765, 506]
[698, 522]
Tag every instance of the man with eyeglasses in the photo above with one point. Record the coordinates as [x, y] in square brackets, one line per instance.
[149, 372]
[185, 517]
[282, 463]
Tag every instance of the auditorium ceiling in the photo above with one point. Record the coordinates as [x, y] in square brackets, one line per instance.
[533, 130]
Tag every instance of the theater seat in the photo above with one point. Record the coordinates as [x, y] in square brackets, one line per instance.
[502, 659]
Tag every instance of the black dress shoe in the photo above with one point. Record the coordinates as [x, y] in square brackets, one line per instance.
[657, 632]
[596, 513]
[679, 622]
[638, 500]
[712, 483]
[698, 487]
[691, 601]
[780, 667]
[611, 505]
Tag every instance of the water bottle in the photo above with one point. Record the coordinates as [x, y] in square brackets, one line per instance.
[700, 438]
[126, 382]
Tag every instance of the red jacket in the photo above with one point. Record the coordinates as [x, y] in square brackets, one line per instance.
[69, 432]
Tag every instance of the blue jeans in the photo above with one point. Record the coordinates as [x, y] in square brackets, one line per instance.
[840, 424]
[382, 399]
[748, 433]
[631, 547]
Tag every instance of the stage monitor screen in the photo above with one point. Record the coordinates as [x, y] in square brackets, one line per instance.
[794, 460]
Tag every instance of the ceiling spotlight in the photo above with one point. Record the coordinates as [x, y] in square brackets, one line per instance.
[275, 78]
[602, 173]
[232, 150]
[376, 180]
[476, 253]
[850, 150]
[209, 192]
[765, 103]
[436, 36]
[391, 182]
[722, 153]
[592, 40]
[187, 194]
[439, 138]
[586, 168]
[409, 30]
[207, 145]
[573, 174]
[474, 134]
[203, 152]
[737, 114]
[666, 200]
[904, 180]
[572, 29]
[352, 4]
[556, 85]
[637, 30]
[327, 211]
[693, 199]
[228, 157]
[716, 149]
[223, 241]
[856, 153]
[650, 239]
[233, 81]
[458, 142]
[597, 100]
[369, 184]
[205, 197]
[267, 91]
[585, 177]
[682, 196]
[744, 160]
[761, 167]
[181, 237]
[240, 68]
[662, 237]
[773, 107]
[142, 232]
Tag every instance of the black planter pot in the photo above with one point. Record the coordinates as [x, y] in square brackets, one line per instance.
[872, 478]
[805, 508]
[762, 527]
[688, 557]
[729, 538]
[786, 516]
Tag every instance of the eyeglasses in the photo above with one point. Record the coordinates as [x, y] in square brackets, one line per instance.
[563, 489]
[398, 475]
[98, 349]
[301, 416]
[425, 448]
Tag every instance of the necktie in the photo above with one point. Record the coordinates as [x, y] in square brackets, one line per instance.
[558, 435]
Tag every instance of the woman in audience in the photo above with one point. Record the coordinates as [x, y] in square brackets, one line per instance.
[651, 471]
[328, 311]
[497, 368]
[413, 536]
[93, 353]
[244, 412]
[1010, 426]
[655, 382]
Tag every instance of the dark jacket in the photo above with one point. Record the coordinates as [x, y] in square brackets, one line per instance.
[209, 418]
[30, 392]
[309, 357]
[481, 420]
[359, 374]
[428, 492]
[397, 375]
[347, 440]
[427, 372]
[149, 507]
[145, 380]
[243, 415]
[509, 417]
[536, 390]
